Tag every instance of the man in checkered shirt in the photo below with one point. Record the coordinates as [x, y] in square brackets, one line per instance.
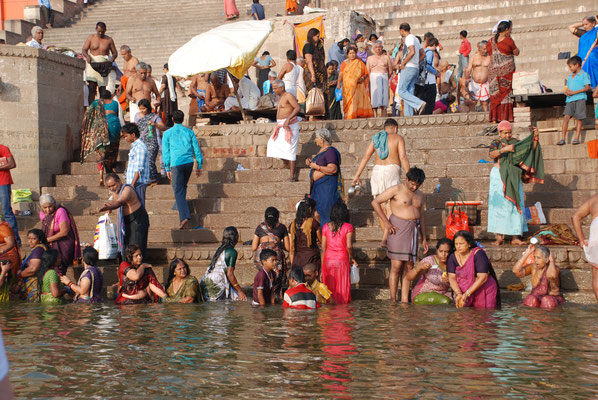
[137, 174]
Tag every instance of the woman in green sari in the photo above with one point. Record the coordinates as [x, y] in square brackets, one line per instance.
[49, 286]
[181, 286]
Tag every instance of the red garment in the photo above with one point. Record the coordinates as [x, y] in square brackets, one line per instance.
[465, 48]
[500, 78]
[300, 297]
[541, 297]
[131, 288]
[336, 265]
[5, 177]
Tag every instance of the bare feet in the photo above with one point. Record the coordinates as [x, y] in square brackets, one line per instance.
[183, 223]
[517, 242]
[499, 240]
[291, 180]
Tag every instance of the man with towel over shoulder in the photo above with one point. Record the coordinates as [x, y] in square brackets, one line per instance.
[589, 246]
[405, 222]
[283, 142]
[391, 155]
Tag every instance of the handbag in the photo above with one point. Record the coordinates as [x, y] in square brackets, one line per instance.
[457, 220]
[104, 239]
[314, 103]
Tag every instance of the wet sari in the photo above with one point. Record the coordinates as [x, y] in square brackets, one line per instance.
[13, 255]
[69, 246]
[95, 290]
[28, 289]
[327, 190]
[540, 295]
[131, 288]
[189, 288]
[500, 78]
[356, 96]
[487, 296]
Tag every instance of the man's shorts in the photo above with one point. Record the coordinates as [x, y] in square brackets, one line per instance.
[576, 109]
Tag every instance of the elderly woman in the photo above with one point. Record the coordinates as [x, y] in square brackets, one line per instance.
[305, 235]
[354, 81]
[506, 212]
[27, 276]
[471, 275]
[545, 274]
[432, 285]
[326, 180]
[60, 229]
[181, 286]
[137, 283]
[150, 127]
[587, 31]
[89, 286]
[48, 282]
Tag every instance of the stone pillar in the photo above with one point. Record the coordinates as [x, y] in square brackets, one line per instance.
[41, 104]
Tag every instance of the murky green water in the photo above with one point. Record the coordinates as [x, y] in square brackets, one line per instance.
[364, 350]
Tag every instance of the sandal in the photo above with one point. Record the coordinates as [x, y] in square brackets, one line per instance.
[575, 141]
[560, 142]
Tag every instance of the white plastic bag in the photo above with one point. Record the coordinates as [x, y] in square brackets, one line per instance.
[104, 240]
[535, 215]
[354, 274]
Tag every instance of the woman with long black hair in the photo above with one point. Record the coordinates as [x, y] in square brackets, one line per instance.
[305, 235]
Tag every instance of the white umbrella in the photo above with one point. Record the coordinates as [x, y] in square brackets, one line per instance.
[231, 46]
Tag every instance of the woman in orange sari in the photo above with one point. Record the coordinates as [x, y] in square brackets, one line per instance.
[354, 79]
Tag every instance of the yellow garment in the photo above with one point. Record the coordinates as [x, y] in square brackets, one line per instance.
[321, 291]
[306, 230]
[302, 29]
[356, 96]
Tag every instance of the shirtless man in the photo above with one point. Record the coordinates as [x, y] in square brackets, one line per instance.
[380, 69]
[215, 95]
[407, 208]
[387, 169]
[446, 82]
[278, 145]
[475, 78]
[590, 207]
[134, 215]
[97, 49]
[128, 72]
[197, 92]
[140, 87]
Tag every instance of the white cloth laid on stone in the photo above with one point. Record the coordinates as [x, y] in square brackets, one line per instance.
[93, 75]
[290, 79]
[384, 177]
[279, 147]
[379, 87]
[591, 250]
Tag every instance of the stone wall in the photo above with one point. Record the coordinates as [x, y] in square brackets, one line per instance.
[41, 101]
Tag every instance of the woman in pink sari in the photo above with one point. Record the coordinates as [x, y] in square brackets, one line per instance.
[471, 275]
[337, 245]
[230, 9]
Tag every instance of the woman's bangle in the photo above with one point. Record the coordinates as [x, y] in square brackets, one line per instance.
[468, 294]
[70, 285]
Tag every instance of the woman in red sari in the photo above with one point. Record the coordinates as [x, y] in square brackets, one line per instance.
[137, 283]
[500, 72]
[230, 9]
[354, 79]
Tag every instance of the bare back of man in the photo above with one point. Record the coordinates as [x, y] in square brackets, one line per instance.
[130, 200]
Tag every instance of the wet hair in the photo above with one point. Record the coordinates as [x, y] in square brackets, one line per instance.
[112, 176]
[432, 42]
[351, 47]
[391, 122]
[178, 117]
[339, 214]
[416, 175]
[129, 251]
[544, 250]
[502, 27]
[271, 216]
[575, 60]
[373, 37]
[40, 235]
[101, 24]
[463, 33]
[305, 210]
[467, 236]
[297, 275]
[48, 261]
[145, 103]
[310, 35]
[90, 256]
[230, 237]
[173, 264]
[405, 27]
[131, 128]
[105, 94]
[292, 55]
[125, 48]
[267, 254]
[446, 241]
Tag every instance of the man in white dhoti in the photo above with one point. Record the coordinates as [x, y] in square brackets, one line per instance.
[283, 143]
[380, 69]
[99, 52]
[590, 247]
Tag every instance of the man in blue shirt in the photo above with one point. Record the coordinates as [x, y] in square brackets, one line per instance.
[45, 8]
[179, 147]
[578, 84]
[137, 174]
[257, 11]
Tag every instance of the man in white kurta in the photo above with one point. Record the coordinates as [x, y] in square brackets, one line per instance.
[284, 140]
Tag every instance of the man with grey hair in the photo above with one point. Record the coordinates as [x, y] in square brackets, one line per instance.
[284, 140]
[380, 69]
[140, 87]
[129, 71]
[37, 35]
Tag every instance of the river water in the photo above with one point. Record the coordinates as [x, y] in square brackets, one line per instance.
[367, 349]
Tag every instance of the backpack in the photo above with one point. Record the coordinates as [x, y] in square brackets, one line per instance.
[423, 69]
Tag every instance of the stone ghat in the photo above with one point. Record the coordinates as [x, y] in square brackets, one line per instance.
[445, 146]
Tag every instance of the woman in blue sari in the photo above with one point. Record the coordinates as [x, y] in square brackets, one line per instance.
[587, 31]
[326, 180]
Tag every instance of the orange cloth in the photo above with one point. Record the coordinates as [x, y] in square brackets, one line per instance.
[302, 29]
[291, 6]
[123, 96]
[13, 255]
[356, 96]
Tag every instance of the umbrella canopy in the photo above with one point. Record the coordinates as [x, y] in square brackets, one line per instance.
[231, 46]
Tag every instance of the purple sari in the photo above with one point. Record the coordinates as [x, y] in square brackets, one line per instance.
[68, 247]
[485, 296]
[95, 290]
